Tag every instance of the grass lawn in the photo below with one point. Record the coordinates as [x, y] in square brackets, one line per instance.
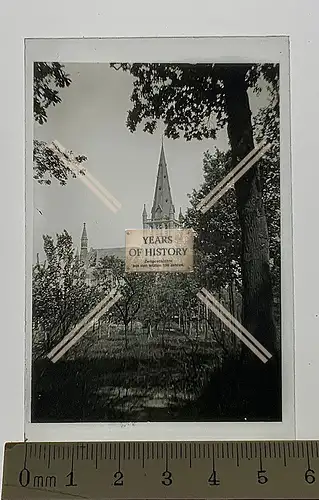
[163, 378]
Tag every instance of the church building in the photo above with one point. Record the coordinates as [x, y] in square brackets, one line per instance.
[162, 215]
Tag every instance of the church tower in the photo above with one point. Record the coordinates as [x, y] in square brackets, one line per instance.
[84, 245]
[163, 210]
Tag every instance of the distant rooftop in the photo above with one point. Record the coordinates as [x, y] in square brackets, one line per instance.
[108, 252]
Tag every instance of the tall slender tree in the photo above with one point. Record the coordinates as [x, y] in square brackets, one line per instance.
[110, 273]
[60, 294]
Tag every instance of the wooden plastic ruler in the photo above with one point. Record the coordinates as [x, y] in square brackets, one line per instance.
[158, 470]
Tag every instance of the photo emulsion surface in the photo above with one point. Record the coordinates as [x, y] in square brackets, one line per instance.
[156, 273]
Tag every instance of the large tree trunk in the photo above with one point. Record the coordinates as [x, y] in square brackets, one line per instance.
[257, 311]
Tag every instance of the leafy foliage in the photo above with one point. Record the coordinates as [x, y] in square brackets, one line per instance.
[60, 295]
[188, 98]
[217, 231]
[218, 240]
[151, 298]
[169, 294]
[47, 79]
[109, 273]
[48, 165]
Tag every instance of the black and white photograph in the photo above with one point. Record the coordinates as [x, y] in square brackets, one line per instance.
[156, 242]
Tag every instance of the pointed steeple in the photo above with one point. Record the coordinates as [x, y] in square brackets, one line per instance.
[84, 244]
[163, 203]
[84, 236]
[144, 217]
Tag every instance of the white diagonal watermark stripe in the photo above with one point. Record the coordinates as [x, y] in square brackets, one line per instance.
[232, 328]
[98, 194]
[231, 178]
[240, 327]
[88, 179]
[230, 174]
[236, 178]
[85, 329]
[232, 323]
[103, 189]
[82, 323]
[83, 326]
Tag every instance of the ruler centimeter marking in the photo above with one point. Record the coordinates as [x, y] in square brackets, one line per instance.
[155, 470]
[42, 450]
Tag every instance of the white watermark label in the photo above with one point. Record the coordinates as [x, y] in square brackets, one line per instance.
[159, 250]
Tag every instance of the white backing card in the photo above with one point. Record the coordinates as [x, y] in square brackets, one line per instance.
[122, 19]
[226, 50]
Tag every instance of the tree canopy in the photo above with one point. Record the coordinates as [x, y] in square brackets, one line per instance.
[60, 294]
[109, 273]
[217, 240]
[188, 98]
[48, 79]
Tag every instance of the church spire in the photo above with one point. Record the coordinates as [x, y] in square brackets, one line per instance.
[84, 244]
[144, 217]
[163, 203]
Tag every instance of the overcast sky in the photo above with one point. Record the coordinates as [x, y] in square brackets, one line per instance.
[91, 120]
